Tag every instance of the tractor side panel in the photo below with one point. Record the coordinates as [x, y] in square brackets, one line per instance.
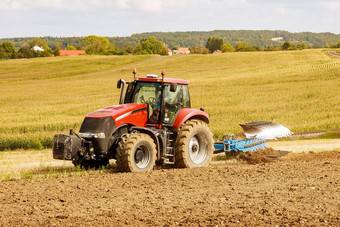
[186, 114]
[137, 117]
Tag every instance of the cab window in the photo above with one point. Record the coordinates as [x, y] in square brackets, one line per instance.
[175, 101]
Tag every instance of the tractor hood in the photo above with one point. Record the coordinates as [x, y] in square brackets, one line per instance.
[131, 113]
[99, 125]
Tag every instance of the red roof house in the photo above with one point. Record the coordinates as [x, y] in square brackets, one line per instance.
[71, 52]
[183, 50]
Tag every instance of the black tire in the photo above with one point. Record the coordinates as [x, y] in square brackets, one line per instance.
[136, 153]
[194, 145]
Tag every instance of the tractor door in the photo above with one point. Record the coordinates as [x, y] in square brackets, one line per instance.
[149, 93]
[174, 102]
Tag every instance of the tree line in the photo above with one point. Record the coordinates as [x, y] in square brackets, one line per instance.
[102, 46]
[92, 44]
[217, 44]
[260, 38]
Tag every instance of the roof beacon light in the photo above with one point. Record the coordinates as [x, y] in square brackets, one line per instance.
[163, 73]
[134, 71]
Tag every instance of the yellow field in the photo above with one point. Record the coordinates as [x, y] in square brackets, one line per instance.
[42, 97]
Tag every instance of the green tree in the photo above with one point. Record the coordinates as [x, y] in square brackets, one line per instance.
[226, 47]
[151, 46]
[198, 50]
[288, 46]
[59, 45]
[175, 48]
[129, 49]
[57, 48]
[80, 47]
[56, 52]
[214, 43]
[272, 48]
[25, 52]
[7, 50]
[114, 50]
[70, 48]
[243, 46]
[96, 44]
[301, 46]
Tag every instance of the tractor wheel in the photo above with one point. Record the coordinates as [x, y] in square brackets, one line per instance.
[136, 153]
[194, 145]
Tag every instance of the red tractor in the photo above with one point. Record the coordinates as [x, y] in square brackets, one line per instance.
[153, 124]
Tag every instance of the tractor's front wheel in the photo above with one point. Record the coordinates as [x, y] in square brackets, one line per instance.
[194, 145]
[136, 153]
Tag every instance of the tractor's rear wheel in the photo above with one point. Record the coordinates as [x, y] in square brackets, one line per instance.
[194, 145]
[136, 153]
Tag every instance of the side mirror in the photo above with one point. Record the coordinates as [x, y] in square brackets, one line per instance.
[173, 87]
[119, 83]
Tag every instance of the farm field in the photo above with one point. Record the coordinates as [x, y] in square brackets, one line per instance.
[299, 89]
[298, 189]
[42, 97]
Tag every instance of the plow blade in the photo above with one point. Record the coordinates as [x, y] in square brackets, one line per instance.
[265, 130]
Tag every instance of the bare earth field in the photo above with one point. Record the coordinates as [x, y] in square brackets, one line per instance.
[297, 189]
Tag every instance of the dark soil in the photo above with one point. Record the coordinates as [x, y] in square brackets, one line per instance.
[293, 190]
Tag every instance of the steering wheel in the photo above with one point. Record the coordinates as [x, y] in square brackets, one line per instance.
[151, 100]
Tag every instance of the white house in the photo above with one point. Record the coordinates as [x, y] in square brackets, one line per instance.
[169, 52]
[37, 48]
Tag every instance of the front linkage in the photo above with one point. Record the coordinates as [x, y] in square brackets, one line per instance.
[75, 148]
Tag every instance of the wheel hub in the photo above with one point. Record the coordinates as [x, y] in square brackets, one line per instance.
[194, 146]
[139, 155]
[142, 157]
[197, 150]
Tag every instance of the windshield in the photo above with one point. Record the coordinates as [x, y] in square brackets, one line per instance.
[149, 93]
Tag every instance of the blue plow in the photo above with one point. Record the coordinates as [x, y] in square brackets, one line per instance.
[242, 145]
[257, 133]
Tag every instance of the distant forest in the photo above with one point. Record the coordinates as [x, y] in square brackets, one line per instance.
[199, 38]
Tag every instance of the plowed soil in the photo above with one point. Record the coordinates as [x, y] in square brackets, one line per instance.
[296, 189]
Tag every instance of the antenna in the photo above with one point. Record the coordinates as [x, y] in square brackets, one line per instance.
[134, 71]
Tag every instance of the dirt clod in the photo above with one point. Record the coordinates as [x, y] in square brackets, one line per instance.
[262, 155]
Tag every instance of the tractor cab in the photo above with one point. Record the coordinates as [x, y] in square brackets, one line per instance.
[164, 97]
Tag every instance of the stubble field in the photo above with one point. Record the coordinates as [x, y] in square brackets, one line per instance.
[42, 97]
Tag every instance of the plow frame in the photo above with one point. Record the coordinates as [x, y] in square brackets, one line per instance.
[243, 145]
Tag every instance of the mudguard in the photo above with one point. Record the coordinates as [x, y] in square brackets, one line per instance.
[187, 113]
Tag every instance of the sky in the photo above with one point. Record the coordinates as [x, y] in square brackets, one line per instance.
[67, 18]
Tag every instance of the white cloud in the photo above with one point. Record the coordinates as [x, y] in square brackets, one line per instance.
[332, 6]
[124, 17]
[90, 5]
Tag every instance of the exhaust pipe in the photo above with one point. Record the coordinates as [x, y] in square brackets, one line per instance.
[122, 92]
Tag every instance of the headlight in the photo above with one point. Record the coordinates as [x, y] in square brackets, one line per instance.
[100, 135]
